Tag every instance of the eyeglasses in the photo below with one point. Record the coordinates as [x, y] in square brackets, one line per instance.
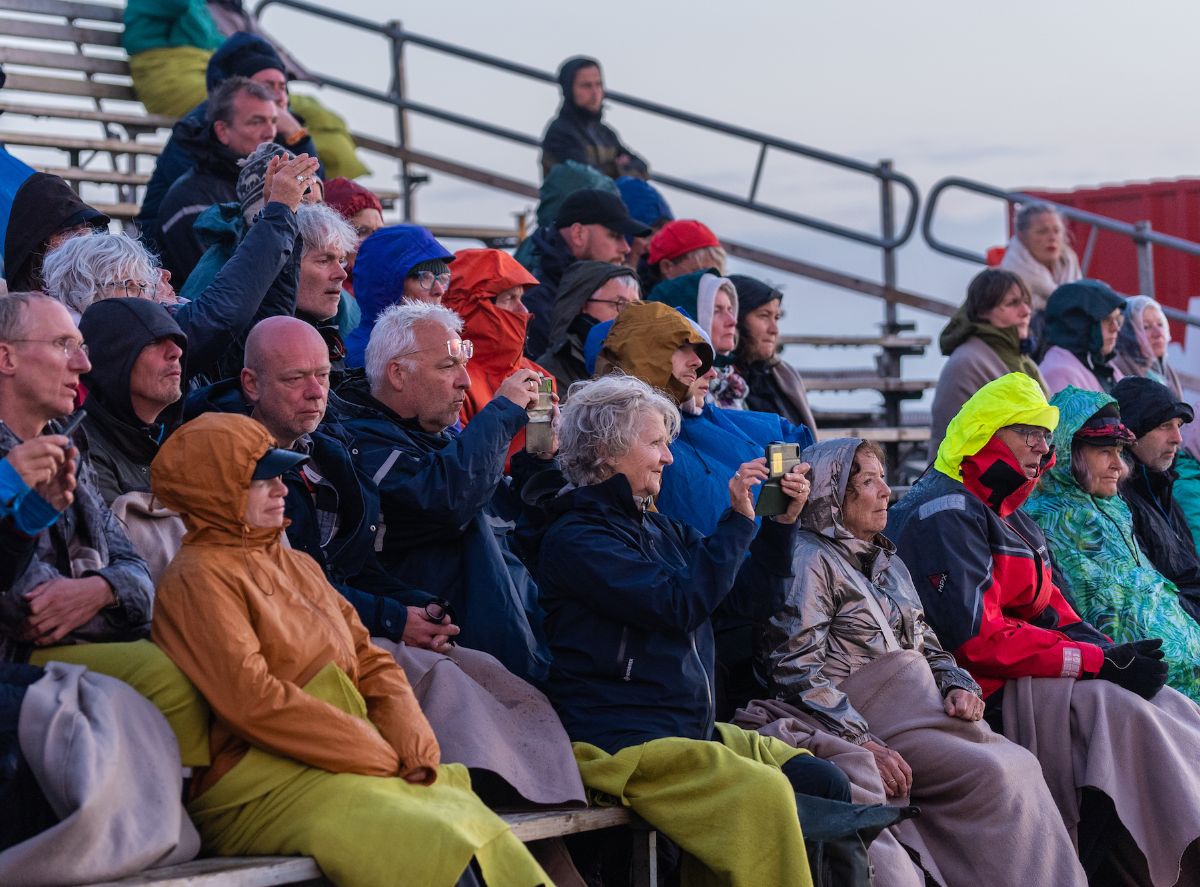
[426, 279]
[1114, 323]
[619, 304]
[68, 345]
[460, 350]
[438, 609]
[136, 288]
[1034, 436]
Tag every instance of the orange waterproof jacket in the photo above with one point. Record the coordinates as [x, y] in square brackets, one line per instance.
[250, 622]
[499, 336]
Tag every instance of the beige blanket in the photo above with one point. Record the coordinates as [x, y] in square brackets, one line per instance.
[980, 795]
[109, 766]
[487, 718]
[1143, 755]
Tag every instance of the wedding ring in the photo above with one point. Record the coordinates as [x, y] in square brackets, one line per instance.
[301, 178]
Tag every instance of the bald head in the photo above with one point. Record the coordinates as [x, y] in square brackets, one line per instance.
[286, 377]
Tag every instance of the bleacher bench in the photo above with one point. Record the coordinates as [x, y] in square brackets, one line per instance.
[528, 825]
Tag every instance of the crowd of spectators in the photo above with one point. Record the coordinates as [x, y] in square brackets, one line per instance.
[272, 466]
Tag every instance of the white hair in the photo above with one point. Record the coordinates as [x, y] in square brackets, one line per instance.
[76, 272]
[394, 335]
[323, 228]
[600, 420]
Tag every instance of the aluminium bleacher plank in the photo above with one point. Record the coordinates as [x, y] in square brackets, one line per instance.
[62, 61]
[903, 434]
[857, 341]
[18, 82]
[539, 824]
[97, 176]
[129, 121]
[31, 30]
[868, 383]
[72, 143]
[244, 871]
[96, 12]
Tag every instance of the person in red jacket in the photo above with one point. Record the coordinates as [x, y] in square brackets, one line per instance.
[485, 292]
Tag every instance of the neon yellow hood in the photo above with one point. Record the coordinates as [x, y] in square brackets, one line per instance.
[1014, 399]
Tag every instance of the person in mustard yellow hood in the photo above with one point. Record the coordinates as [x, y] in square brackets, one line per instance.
[318, 745]
[1051, 681]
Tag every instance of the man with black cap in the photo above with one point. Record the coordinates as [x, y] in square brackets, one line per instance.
[591, 224]
[134, 389]
[47, 212]
[578, 132]
[1149, 409]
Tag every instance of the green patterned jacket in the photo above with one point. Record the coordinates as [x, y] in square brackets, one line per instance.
[1110, 581]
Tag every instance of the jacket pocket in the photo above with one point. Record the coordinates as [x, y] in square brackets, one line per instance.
[624, 665]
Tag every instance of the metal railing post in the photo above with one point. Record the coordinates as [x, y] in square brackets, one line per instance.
[1145, 260]
[889, 360]
[395, 32]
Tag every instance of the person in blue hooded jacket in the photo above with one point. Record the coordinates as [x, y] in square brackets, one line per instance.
[244, 55]
[395, 264]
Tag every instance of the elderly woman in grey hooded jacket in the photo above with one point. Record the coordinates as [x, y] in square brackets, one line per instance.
[849, 652]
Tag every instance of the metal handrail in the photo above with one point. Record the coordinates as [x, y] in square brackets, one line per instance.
[398, 36]
[1143, 236]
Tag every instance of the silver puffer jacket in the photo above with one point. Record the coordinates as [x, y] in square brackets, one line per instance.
[824, 629]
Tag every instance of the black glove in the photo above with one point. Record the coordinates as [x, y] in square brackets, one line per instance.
[1137, 666]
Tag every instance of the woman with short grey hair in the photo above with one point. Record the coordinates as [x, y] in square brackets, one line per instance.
[628, 595]
[1040, 252]
[86, 269]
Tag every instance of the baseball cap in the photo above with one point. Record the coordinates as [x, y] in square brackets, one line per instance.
[591, 206]
[275, 462]
[681, 236]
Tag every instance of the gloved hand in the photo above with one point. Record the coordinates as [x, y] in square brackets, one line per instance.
[1137, 666]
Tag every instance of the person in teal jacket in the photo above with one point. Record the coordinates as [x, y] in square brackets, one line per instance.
[1089, 530]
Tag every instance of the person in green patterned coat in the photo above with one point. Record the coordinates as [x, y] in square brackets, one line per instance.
[1089, 530]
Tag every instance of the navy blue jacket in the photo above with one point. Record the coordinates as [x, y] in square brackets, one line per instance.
[628, 597]
[443, 498]
[348, 559]
[553, 258]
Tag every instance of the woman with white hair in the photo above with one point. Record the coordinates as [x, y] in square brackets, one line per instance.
[628, 595]
[328, 241]
[1142, 344]
[86, 269]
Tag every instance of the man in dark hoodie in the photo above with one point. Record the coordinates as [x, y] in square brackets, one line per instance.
[134, 389]
[241, 55]
[591, 225]
[589, 293]
[1150, 411]
[47, 212]
[578, 132]
[241, 115]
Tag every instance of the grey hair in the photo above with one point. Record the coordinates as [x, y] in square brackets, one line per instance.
[75, 273]
[1083, 474]
[12, 313]
[707, 256]
[1030, 211]
[220, 103]
[394, 334]
[600, 420]
[322, 227]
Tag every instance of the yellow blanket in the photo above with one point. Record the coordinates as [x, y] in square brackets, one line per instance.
[170, 80]
[725, 804]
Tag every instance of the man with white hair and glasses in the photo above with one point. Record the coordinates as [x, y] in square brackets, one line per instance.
[85, 582]
[443, 495]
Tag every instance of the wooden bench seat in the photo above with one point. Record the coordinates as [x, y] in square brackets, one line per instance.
[901, 434]
[261, 871]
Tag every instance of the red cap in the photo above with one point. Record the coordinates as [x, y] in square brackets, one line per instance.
[679, 237]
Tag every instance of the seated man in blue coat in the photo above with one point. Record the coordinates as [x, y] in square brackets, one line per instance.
[332, 507]
[442, 494]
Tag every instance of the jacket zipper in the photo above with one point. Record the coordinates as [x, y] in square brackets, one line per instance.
[627, 666]
[708, 712]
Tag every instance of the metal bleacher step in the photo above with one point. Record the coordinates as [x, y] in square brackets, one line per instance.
[126, 120]
[857, 341]
[97, 176]
[74, 143]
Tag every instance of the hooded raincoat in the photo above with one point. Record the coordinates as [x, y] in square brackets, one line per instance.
[980, 565]
[560, 183]
[978, 353]
[569, 328]
[498, 335]
[314, 725]
[44, 205]
[581, 135]
[1110, 580]
[120, 445]
[1075, 356]
[828, 623]
[383, 262]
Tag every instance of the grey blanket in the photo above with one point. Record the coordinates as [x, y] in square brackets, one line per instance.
[1143, 755]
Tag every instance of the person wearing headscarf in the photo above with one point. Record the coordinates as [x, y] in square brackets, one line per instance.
[1039, 253]
[318, 745]
[848, 653]
[712, 301]
[578, 132]
[987, 338]
[590, 293]
[1089, 529]
[1082, 323]
[1112, 741]
[1142, 344]
[773, 385]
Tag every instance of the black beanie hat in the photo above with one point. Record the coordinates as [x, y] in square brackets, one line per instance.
[1146, 404]
[752, 293]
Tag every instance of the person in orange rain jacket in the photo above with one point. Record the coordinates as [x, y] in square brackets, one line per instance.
[485, 291]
